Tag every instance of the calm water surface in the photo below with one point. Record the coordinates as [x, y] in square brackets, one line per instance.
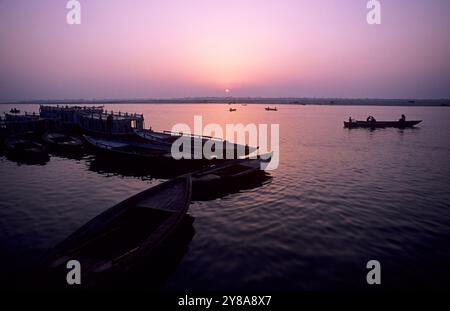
[338, 199]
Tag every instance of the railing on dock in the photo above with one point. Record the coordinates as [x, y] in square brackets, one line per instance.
[95, 119]
[192, 135]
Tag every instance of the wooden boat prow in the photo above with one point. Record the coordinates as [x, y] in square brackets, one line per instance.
[125, 234]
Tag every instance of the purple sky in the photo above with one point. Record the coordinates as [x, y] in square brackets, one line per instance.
[178, 48]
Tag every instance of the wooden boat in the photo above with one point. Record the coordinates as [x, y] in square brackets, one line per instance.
[27, 148]
[128, 148]
[271, 109]
[62, 141]
[380, 124]
[227, 177]
[123, 237]
[168, 138]
[227, 172]
[232, 109]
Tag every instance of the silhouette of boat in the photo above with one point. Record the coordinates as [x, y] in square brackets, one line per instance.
[123, 237]
[23, 147]
[232, 109]
[129, 154]
[230, 173]
[62, 141]
[128, 149]
[14, 111]
[380, 124]
[271, 109]
[168, 138]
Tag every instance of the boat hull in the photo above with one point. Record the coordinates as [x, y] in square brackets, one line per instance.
[119, 240]
[381, 124]
[62, 141]
[25, 149]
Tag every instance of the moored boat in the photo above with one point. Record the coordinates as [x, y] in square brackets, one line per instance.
[62, 141]
[26, 148]
[227, 171]
[381, 124]
[168, 138]
[271, 109]
[228, 176]
[123, 237]
[127, 148]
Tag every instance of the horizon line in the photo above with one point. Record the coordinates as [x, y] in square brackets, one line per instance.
[241, 99]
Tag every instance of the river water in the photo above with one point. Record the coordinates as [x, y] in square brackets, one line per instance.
[338, 199]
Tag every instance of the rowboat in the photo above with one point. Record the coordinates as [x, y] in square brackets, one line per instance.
[62, 141]
[380, 124]
[118, 240]
[26, 148]
[226, 172]
[271, 109]
[168, 138]
[226, 175]
[232, 109]
[127, 148]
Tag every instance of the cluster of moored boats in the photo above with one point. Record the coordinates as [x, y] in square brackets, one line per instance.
[139, 230]
[135, 232]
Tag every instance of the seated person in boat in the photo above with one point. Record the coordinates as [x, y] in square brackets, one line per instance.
[371, 119]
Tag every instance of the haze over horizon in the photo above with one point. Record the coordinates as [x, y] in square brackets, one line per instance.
[176, 49]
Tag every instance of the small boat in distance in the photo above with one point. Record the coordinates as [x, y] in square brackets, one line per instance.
[14, 111]
[232, 109]
[271, 109]
[119, 240]
[380, 124]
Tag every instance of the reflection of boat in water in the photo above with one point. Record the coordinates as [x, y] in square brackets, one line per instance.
[62, 141]
[380, 124]
[271, 109]
[25, 149]
[132, 234]
[115, 166]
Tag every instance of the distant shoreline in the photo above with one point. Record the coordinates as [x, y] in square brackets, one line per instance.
[247, 100]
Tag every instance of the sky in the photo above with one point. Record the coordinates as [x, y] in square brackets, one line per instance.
[192, 48]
